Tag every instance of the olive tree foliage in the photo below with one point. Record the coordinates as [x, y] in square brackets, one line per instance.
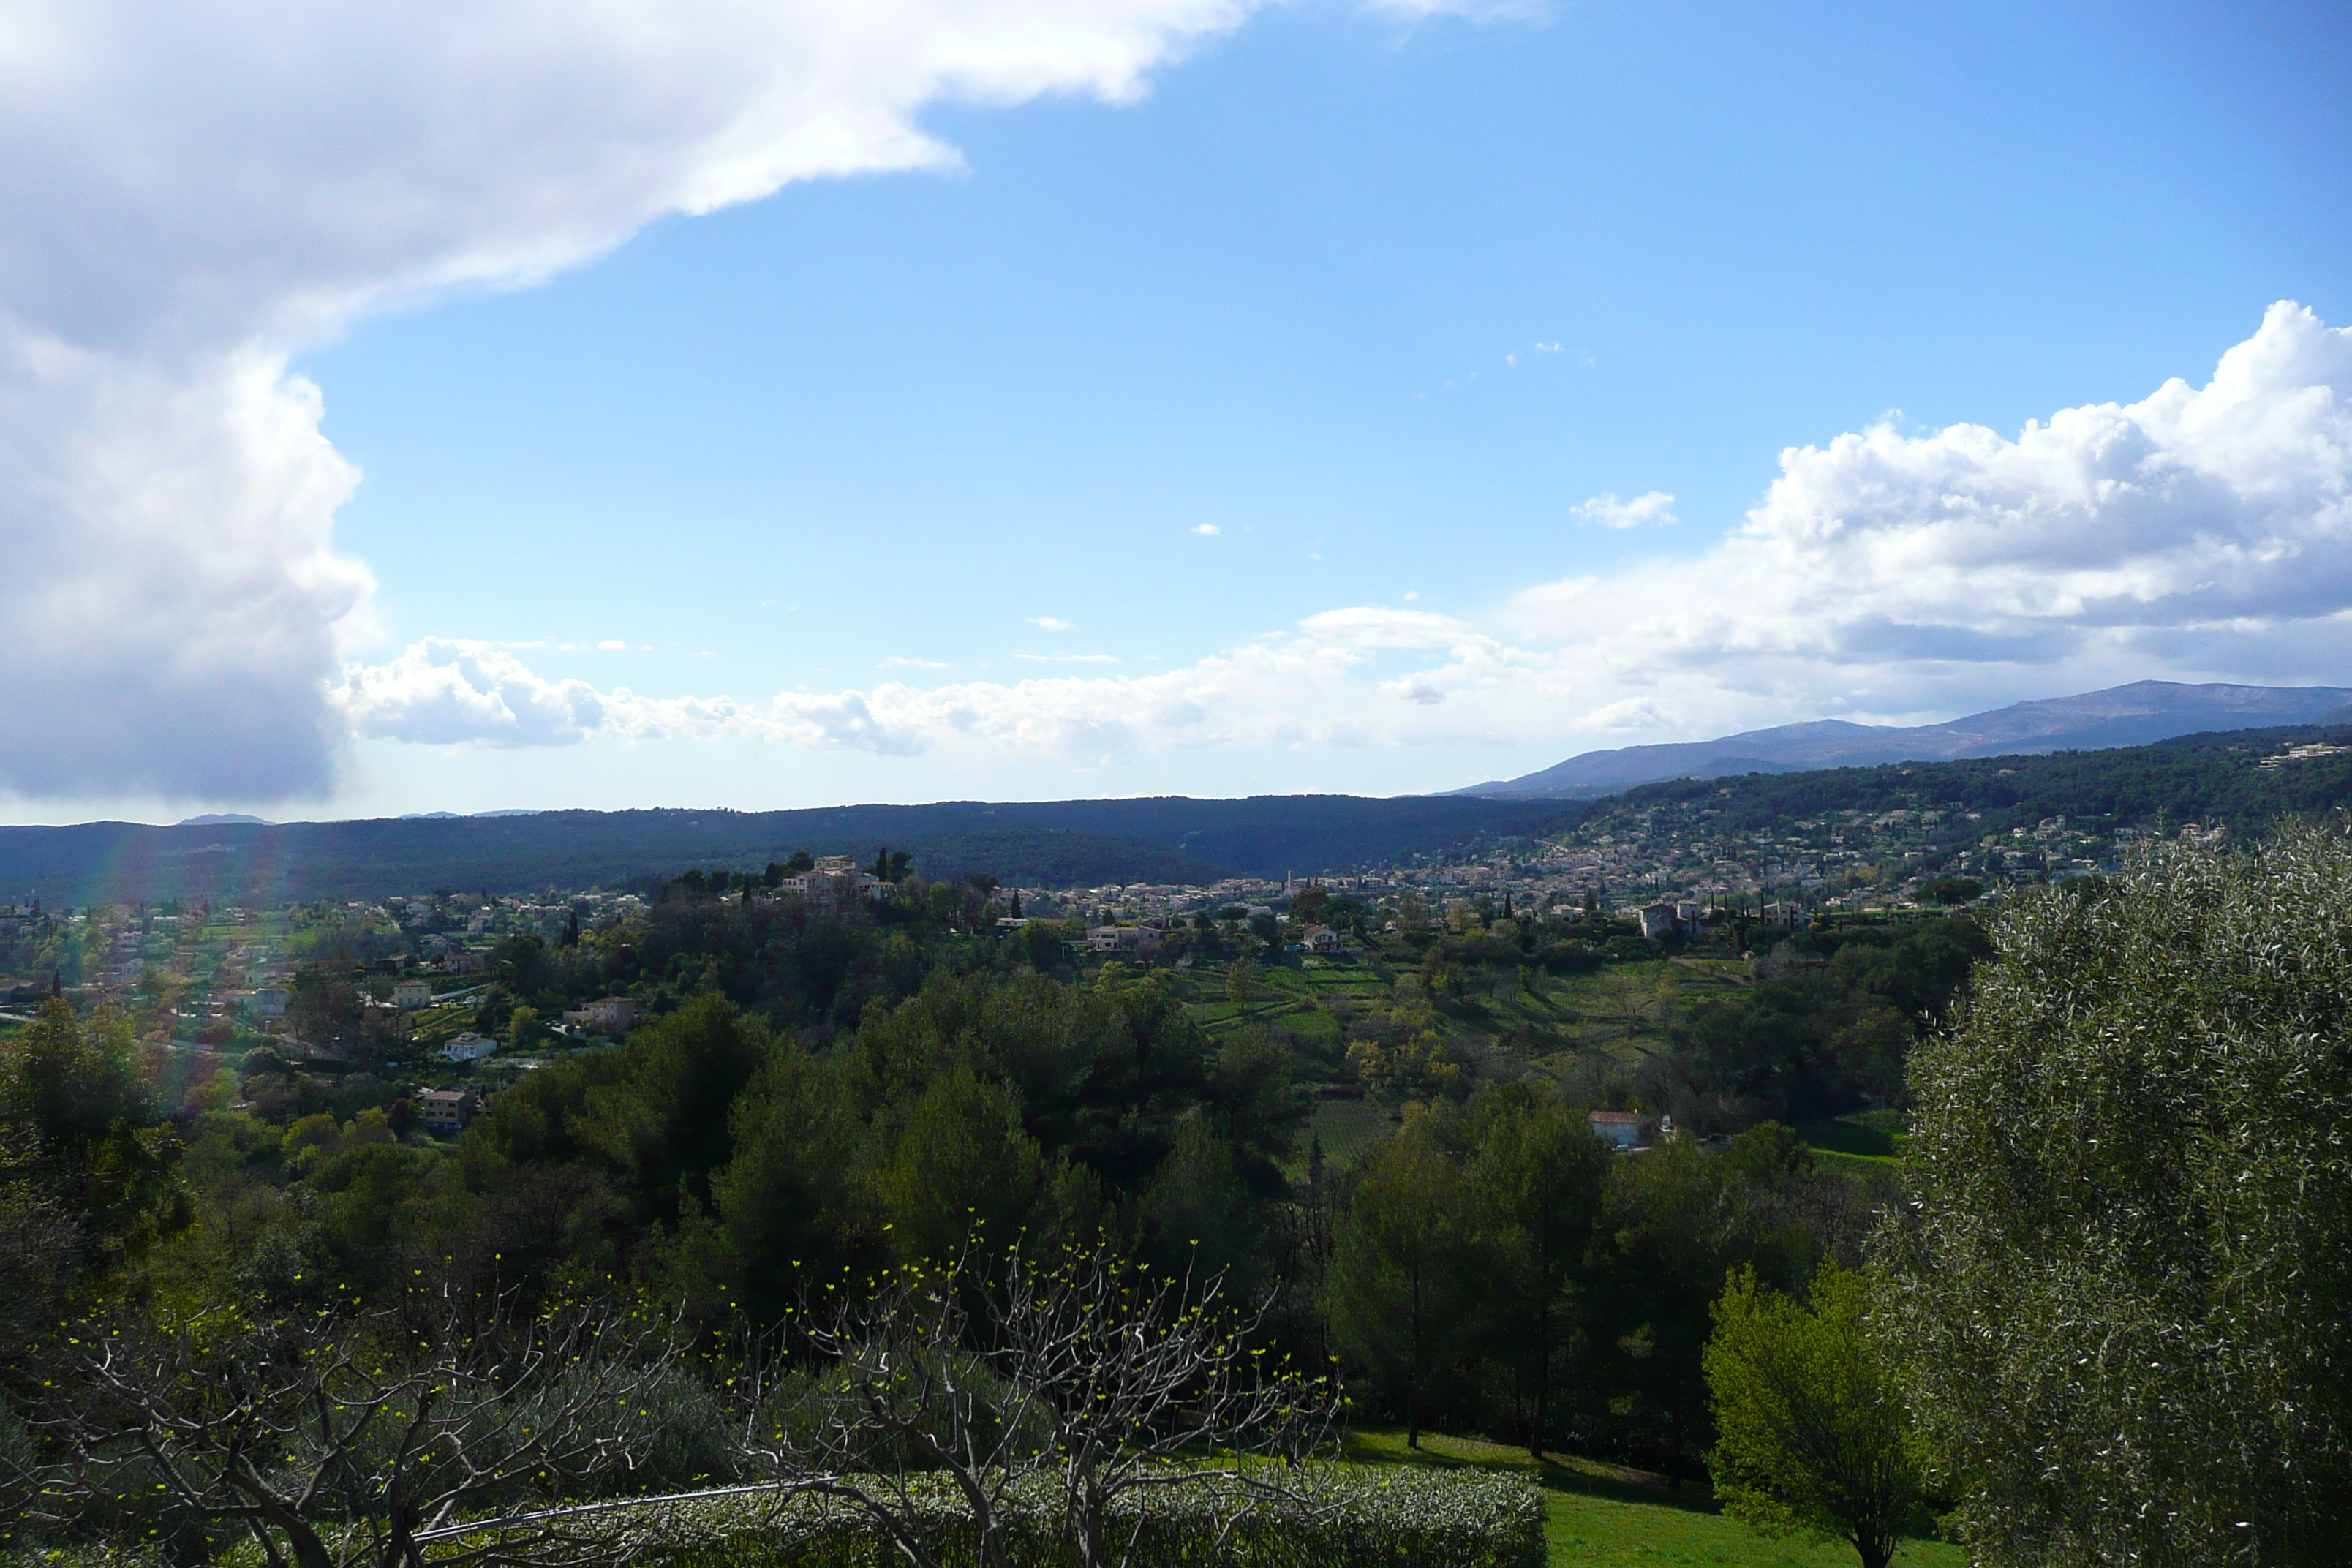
[2124, 1294]
[351, 1436]
[1070, 1366]
[1811, 1435]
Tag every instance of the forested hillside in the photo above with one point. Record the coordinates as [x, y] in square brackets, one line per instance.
[1049, 843]
[2214, 780]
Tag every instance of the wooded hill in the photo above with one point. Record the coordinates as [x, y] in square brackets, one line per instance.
[1071, 843]
[2211, 778]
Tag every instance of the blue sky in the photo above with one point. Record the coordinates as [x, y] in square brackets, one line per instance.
[1232, 436]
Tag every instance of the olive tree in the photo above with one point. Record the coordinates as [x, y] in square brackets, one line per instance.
[2124, 1292]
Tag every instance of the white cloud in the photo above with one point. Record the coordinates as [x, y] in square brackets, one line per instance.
[1631, 713]
[1410, 11]
[1610, 512]
[898, 661]
[2201, 534]
[169, 588]
[1049, 623]
[443, 692]
[1068, 658]
[1292, 688]
[198, 190]
[1208, 530]
[613, 645]
[1367, 627]
[2200, 531]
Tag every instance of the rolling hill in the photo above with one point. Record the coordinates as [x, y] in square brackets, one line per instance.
[2133, 715]
[2241, 779]
[1040, 843]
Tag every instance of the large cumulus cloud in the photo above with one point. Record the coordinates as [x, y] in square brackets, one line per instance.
[2203, 532]
[194, 190]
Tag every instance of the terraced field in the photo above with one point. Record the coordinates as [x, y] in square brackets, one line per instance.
[1505, 1024]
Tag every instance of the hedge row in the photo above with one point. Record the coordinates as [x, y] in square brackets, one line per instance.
[1350, 1515]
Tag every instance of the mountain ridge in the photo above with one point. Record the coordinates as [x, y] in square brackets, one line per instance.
[2136, 714]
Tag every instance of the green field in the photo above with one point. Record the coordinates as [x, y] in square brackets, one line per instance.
[1866, 1139]
[1605, 1516]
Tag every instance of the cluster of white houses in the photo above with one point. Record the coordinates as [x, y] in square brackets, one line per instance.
[1148, 936]
[1661, 918]
[835, 882]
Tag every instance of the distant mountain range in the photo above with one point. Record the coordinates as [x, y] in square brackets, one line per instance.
[2133, 715]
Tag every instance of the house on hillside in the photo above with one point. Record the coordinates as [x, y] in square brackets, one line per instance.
[412, 994]
[270, 1002]
[1117, 939]
[1657, 920]
[1318, 939]
[468, 1048]
[607, 1016]
[446, 1109]
[1620, 1130]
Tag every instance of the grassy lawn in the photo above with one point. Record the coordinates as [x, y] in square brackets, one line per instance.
[1867, 1138]
[1605, 1516]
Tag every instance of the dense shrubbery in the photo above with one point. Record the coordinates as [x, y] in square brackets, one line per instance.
[1346, 1516]
[1351, 1517]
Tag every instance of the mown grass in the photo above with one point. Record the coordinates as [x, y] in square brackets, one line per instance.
[1607, 1515]
[1871, 1138]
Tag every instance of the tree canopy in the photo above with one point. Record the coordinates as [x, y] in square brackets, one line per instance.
[2125, 1290]
[1811, 1432]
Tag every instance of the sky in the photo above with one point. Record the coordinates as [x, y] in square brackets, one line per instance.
[477, 406]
